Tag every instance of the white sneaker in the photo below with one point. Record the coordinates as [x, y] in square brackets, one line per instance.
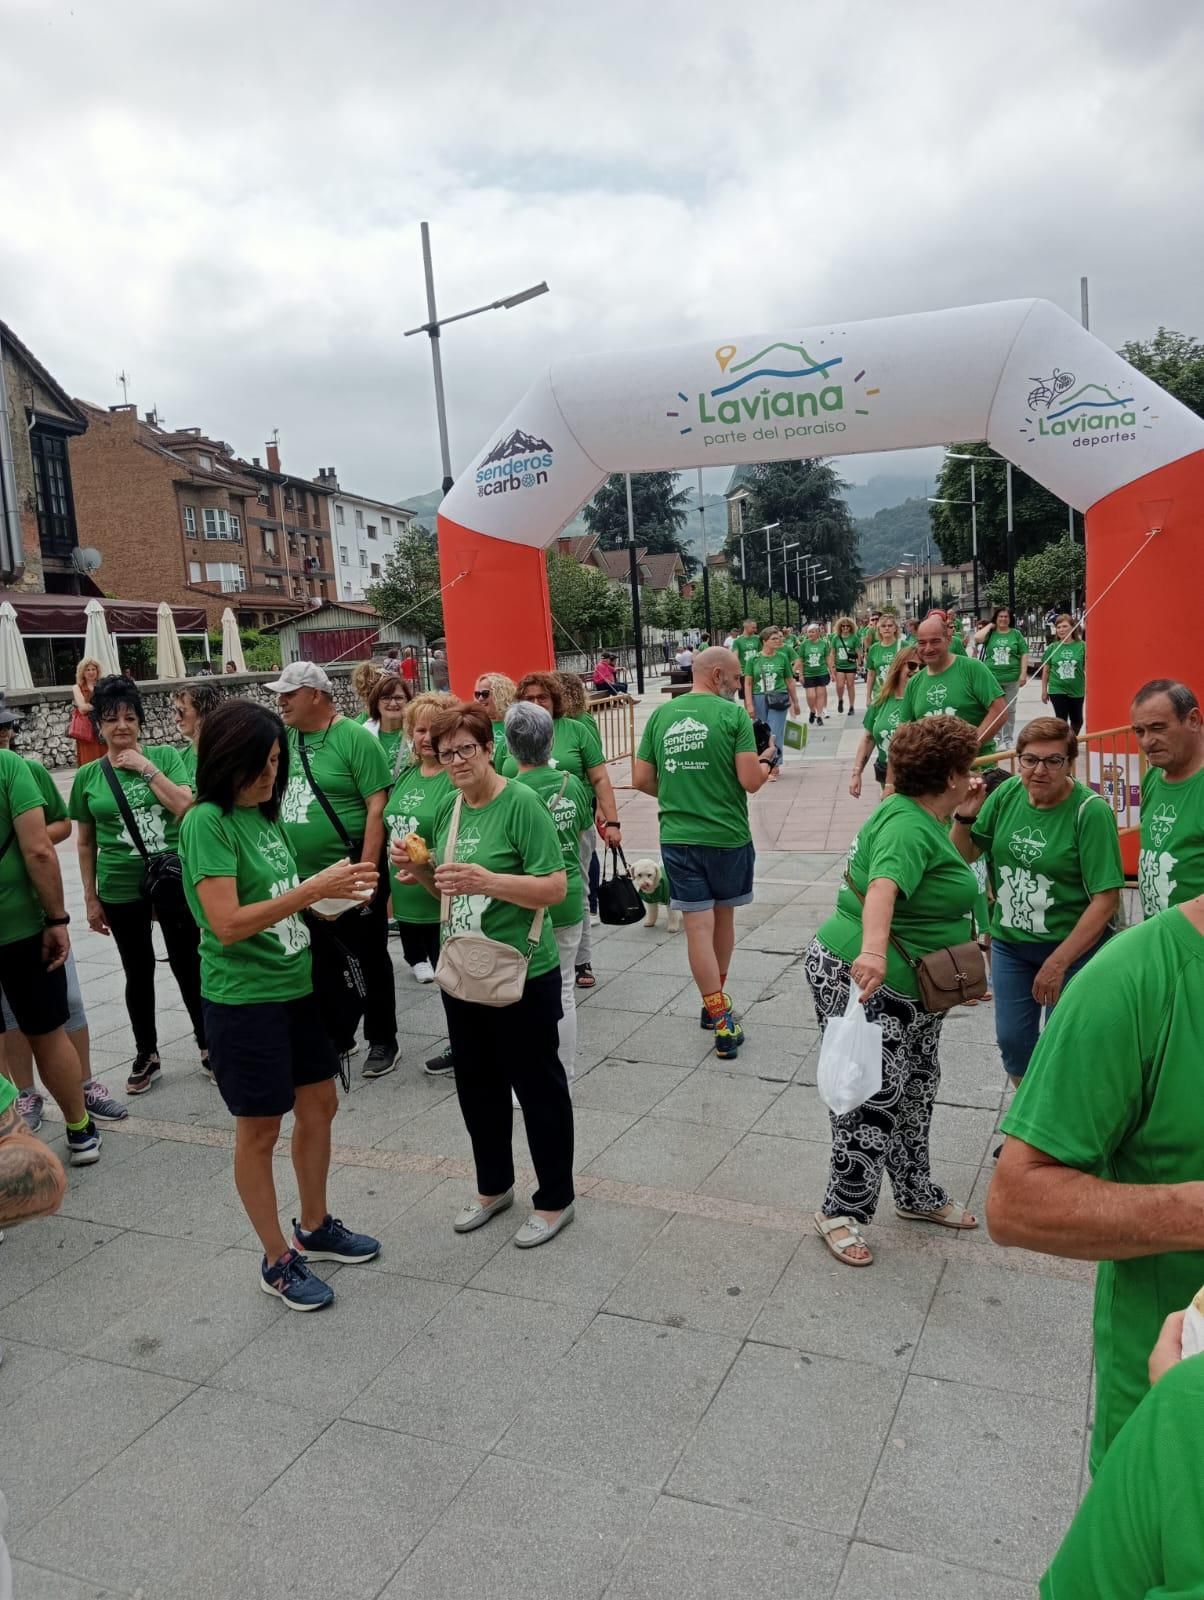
[423, 972]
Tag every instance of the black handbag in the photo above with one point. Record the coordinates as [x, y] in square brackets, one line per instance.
[163, 873]
[619, 902]
[778, 700]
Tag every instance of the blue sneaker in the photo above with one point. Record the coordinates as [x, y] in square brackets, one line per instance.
[290, 1280]
[729, 1036]
[333, 1242]
[83, 1146]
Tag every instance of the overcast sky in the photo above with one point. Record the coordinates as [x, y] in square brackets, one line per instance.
[223, 200]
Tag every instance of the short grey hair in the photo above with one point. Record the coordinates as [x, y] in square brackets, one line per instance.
[529, 733]
[1183, 699]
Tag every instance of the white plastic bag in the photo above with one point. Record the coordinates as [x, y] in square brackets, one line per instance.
[850, 1058]
[1193, 1327]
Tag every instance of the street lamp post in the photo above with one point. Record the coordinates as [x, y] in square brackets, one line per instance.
[634, 569]
[434, 325]
[974, 461]
[706, 571]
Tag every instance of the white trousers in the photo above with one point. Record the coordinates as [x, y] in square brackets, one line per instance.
[566, 944]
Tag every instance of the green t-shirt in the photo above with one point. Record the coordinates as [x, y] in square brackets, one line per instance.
[813, 653]
[501, 749]
[1067, 663]
[8, 1091]
[1002, 652]
[769, 673]
[1113, 1089]
[412, 807]
[957, 644]
[845, 645]
[53, 803]
[1046, 865]
[693, 742]
[965, 689]
[119, 863]
[513, 833]
[348, 765]
[187, 755]
[21, 914]
[242, 844]
[881, 719]
[746, 645]
[572, 812]
[396, 748]
[878, 656]
[576, 747]
[937, 890]
[1171, 865]
[1137, 1535]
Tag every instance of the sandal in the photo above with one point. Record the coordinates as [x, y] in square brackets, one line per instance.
[825, 1225]
[585, 977]
[951, 1215]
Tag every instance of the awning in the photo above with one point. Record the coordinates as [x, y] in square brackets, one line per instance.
[57, 616]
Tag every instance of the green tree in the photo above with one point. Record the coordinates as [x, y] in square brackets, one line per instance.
[409, 586]
[806, 499]
[1175, 360]
[1039, 516]
[1044, 578]
[669, 610]
[586, 609]
[658, 510]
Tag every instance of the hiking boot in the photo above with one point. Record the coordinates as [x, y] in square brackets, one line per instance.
[143, 1073]
[290, 1280]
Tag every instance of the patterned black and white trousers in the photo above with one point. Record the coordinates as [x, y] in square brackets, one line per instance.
[890, 1131]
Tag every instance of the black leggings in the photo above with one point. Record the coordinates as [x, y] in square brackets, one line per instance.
[419, 942]
[130, 923]
[500, 1047]
[364, 935]
[1069, 708]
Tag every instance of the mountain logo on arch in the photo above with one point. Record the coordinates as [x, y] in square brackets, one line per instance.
[783, 390]
[1087, 414]
[519, 461]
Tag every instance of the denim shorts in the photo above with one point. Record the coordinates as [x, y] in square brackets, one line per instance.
[702, 876]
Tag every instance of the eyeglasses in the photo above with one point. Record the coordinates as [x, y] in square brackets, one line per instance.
[461, 752]
[1030, 763]
[481, 694]
[912, 666]
[393, 700]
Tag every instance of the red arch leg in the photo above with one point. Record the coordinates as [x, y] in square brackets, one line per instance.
[496, 615]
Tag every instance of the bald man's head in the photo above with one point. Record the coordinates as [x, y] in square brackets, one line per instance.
[932, 643]
[717, 671]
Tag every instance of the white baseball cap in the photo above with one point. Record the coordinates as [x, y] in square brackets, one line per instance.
[301, 675]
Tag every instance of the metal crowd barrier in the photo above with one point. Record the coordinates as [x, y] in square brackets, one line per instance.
[614, 715]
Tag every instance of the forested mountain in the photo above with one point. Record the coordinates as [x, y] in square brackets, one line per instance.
[884, 537]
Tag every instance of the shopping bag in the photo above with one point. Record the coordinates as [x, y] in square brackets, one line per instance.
[850, 1058]
[795, 735]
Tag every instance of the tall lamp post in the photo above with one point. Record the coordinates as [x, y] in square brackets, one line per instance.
[738, 499]
[766, 528]
[634, 569]
[434, 326]
[706, 571]
[993, 461]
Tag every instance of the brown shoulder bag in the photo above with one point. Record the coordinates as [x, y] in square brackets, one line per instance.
[948, 977]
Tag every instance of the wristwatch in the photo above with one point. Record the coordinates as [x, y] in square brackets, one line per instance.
[57, 922]
[966, 822]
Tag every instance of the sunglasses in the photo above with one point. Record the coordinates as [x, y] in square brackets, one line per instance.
[912, 666]
[481, 694]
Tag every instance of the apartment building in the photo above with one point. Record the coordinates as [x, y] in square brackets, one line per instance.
[364, 533]
[908, 587]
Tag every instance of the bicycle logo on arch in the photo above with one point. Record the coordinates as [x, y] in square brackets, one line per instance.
[1048, 389]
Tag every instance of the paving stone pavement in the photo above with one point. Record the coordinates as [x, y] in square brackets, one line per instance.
[683, 1395]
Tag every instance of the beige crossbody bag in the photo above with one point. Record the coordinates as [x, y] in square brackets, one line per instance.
[473, 967]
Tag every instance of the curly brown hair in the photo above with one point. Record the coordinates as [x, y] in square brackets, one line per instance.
[466, 714]
[924, 755]
[1041, 729]
[363, 677]
[547, 681]
[425, 705]
[572, 692]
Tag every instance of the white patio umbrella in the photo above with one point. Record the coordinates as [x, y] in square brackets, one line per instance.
[231, 643]
[169, 658]
[98, 641]
[14, 663]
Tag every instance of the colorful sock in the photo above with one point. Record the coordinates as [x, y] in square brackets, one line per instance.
[716, 1004]
[723, 980]
[78, 1127]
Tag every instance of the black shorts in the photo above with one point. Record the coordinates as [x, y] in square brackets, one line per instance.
[261, 1054]
[821, 682]
[37, 998]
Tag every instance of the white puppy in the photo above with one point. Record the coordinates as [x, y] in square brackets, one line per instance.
[649, 878]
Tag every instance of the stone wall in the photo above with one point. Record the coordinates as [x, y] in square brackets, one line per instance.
[46, 713]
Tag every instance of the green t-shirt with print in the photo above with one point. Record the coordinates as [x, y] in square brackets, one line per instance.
[396, 748]
[187, 754]
[878, 656]
[501, 749]
[881, 719]
[119, 863]
[1137, 1535]
[693, 742]
[53, 803]
[1067, 663]
[1002, 653]
[957, 644]
[1113, 1089]
[1046, 864]
[1171, 864]
[348, 765]
[769, 674]
[242, 844]
[576, 747]
[813, 653]
[905, 843]
[572, 812]
[21, 914]
[845, 646]
[746, 645]
[412, 807]
[965, 689]
[513, 833]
